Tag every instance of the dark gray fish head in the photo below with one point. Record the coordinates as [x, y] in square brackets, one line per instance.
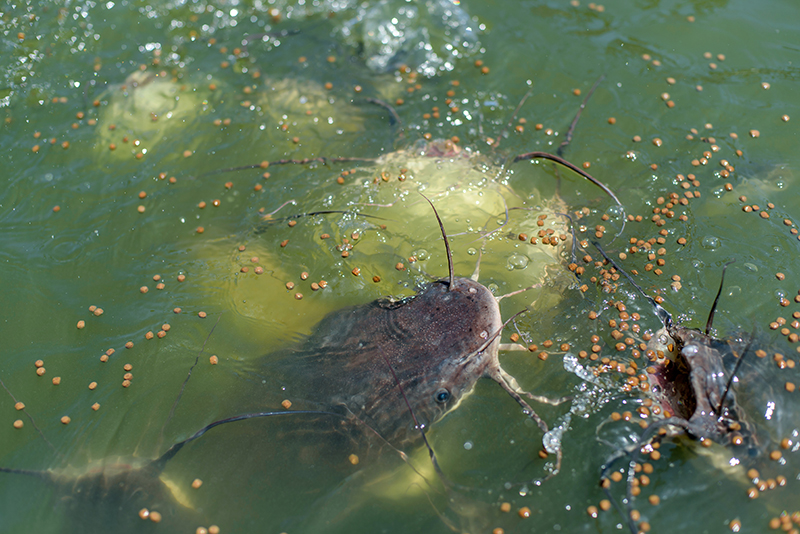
[692, 384]
[376, 361]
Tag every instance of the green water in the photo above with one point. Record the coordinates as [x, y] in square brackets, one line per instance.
[164, 83]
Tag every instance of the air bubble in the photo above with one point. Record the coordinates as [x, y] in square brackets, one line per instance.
[517, 261]
[710, 242]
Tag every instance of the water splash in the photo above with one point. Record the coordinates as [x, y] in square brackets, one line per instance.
[428, 36]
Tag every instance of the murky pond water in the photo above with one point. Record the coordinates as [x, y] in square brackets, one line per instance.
[203, 182]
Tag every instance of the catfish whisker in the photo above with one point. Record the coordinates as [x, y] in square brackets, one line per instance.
[568, 136]
[505, 129]
[185, 381]
[286, 161]
[30, 417]
[578, 170]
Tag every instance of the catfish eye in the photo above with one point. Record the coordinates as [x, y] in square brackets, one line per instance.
[442, 395]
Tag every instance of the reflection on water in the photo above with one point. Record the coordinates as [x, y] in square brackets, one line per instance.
[149, 151]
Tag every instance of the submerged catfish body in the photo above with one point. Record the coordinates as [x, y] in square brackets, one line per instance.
[431, 348]
[108, 496]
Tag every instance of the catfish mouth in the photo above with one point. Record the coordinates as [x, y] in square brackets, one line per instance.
[673, 387]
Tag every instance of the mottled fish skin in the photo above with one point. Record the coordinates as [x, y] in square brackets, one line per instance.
[439, 342]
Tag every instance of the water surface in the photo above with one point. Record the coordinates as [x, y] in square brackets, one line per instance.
[180, 89]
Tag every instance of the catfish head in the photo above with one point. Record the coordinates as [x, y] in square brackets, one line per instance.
[430, 348]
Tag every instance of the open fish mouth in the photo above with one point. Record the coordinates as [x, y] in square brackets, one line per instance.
[672, 387]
